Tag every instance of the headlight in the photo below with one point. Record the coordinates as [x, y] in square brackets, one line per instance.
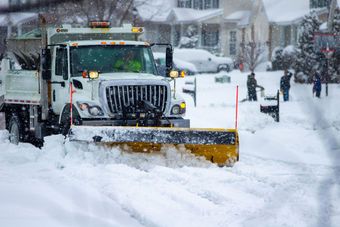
[92, 110]
[183, 105]
[178, 109]
[175, 110]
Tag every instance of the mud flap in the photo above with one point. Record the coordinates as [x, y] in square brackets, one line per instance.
[220, 146]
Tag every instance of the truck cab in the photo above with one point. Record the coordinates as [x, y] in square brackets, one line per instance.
[116, 82]
[87, 76]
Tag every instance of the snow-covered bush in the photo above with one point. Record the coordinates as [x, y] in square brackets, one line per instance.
[289, 55]
[307, 59]
[190, 39]
[277, 58]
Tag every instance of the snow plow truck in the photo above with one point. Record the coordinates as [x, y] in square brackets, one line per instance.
[99, 84]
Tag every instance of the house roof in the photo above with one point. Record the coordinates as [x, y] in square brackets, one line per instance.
[184, 15]
[17, 18]
[160, 11]
[154, 10]
[242, 18]
[286, 11]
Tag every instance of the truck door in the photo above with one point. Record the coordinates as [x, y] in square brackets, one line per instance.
[59, 82]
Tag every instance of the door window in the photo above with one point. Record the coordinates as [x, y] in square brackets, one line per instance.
[61, 62]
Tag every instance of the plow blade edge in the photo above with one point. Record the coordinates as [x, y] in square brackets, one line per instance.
[220, 146]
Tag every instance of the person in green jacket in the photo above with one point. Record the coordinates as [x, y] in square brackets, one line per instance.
[128, 64]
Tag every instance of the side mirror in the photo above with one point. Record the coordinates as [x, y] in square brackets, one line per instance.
[46, 64]
[168, 60]
[161, 70]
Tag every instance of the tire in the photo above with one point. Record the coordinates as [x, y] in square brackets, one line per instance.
[16, 131]
[65, 120]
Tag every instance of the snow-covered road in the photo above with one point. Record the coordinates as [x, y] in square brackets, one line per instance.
[288, 174]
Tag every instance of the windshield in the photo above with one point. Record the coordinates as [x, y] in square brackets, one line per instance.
[111, 59]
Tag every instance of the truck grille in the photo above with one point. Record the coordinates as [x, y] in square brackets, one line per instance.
[120, 97]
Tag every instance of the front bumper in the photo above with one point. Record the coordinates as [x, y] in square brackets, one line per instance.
[175, 122]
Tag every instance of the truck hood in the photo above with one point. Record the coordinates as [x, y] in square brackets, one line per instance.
[129, 76]
[89, 88]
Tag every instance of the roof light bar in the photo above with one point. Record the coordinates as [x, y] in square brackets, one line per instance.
[99, 24]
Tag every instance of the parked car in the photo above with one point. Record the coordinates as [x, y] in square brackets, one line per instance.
[204, 61]
[179, 65]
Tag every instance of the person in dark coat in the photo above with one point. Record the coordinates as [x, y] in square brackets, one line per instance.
[317, 85]
[252, 85]
[285, 84]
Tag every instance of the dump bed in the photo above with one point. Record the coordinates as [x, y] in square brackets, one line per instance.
[21, 87]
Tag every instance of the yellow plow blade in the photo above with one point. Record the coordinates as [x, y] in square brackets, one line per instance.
[219, 146]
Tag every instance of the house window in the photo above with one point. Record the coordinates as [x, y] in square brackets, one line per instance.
[232, 43]
[211, 4]
[21, 2]
[210, 38]
[184, 3]
[208, 4]
[319, 3]
[215, 4]
[198, 4]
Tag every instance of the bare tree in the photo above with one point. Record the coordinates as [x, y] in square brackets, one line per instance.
[115, 11]
[253, 54]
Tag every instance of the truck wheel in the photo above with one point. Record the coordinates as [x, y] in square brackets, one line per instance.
[223, 68]
[65, 120]
[16, 134]
[65, 125]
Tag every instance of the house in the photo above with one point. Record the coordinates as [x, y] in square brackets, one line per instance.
[176, 17]
[285, 17]
[220, 26]
[225, 26]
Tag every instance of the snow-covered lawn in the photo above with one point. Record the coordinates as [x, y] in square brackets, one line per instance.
[288, 174]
